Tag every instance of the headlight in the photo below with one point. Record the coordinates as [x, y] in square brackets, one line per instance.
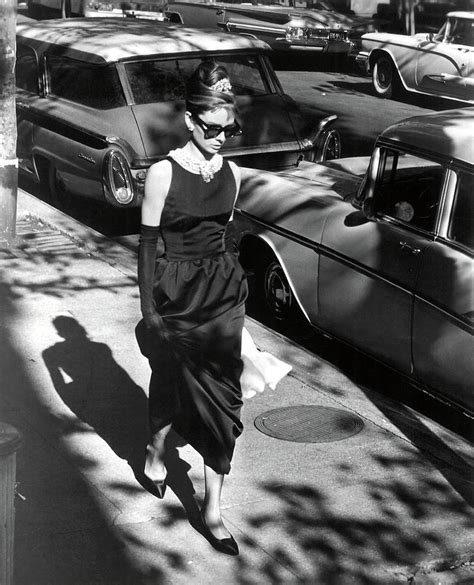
[118, 178]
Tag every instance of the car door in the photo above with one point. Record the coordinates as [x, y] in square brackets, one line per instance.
[443, 324]
[446, 68]
[368, 267]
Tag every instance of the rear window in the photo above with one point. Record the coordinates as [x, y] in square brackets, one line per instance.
[165, 80]
[90, 85]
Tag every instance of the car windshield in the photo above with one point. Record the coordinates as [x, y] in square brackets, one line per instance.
[458, 31]
[164, 80]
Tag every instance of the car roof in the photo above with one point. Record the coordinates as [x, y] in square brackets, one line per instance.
[469, 15]
[448, 134]
[102, 40]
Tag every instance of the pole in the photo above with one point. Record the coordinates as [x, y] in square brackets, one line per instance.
[10, 440]
[8, 159]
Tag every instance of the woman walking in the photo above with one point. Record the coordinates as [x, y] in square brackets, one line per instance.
[192, 297]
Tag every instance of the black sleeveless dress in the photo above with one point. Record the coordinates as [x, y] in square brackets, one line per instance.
[200, 291]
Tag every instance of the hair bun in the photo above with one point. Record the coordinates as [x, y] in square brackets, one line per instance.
[209, 88]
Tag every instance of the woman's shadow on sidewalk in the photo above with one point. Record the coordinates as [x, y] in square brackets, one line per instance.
[101, 393]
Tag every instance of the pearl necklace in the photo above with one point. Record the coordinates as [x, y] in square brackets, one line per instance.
[206, 168]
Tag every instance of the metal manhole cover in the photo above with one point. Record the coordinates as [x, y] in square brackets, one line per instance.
[309, 424]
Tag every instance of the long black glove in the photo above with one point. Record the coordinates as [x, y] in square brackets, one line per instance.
[147, 251]
[230, 238]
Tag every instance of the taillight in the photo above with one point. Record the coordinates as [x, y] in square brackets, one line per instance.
[118, 177]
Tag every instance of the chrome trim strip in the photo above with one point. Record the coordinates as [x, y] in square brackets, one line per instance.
[251, 27]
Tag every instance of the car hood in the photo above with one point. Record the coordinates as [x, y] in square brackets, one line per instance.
[299, 200]
[265, 121]
[343, 175]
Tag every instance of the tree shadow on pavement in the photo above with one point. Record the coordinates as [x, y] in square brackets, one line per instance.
[397, 514]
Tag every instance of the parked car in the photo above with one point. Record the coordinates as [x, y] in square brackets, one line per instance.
[381, 259]
[99, 100]
[303, 25]
[439, 64]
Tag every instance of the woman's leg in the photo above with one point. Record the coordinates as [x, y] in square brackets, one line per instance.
[211, 509]
[154, 463]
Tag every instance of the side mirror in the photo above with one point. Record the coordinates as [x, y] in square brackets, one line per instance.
[368, 208]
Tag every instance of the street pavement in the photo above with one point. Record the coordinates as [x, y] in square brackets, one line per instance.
[389, 504]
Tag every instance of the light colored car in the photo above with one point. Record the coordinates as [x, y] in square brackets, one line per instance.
[439, 64]
[382, 258]
[100, 100]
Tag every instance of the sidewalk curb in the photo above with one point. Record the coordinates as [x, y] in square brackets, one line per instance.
[86, 238]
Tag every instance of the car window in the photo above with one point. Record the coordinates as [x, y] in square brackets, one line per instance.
[460, 32]
[26, 69]
[408, 189]
[94, 86]
[461, 228]
[165, 80]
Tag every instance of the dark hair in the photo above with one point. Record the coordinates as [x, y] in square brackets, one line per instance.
[200, 97]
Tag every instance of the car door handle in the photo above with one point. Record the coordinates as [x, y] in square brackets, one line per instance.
[406, 246]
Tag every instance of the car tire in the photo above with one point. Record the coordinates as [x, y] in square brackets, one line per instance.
[329, 147]
[57, 191]
[385, 77]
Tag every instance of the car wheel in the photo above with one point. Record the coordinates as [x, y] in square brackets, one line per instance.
[329, 146]
[57, 189]
[277, 301]
[385, 77]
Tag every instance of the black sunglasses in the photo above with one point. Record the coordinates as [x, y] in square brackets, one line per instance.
[211, 131]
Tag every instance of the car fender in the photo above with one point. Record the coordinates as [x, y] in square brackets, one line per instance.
[285, 216]
[259, 244]
[377, 52]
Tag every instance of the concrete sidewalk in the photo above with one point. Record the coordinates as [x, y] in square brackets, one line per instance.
[391, 504]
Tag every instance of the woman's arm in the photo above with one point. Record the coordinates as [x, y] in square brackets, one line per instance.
[157, 184]
[156, 189]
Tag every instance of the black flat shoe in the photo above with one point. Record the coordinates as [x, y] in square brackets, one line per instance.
[227, 546]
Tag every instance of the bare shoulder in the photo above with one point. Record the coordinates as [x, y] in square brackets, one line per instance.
[159, 172]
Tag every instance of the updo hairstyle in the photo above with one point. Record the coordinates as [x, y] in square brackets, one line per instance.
[200, 97]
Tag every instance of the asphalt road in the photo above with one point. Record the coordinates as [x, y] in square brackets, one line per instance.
[361, 114]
